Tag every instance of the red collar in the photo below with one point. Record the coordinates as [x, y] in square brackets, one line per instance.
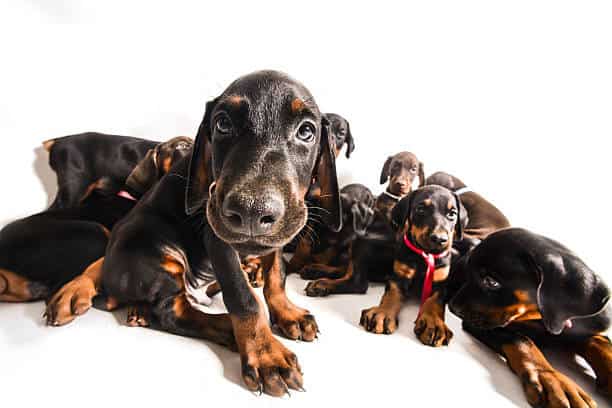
[430, 260]
[127, 195]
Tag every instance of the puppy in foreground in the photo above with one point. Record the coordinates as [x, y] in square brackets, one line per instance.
[522, 291]
[259, 146]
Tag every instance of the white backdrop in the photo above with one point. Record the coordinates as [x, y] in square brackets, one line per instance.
[513, 97]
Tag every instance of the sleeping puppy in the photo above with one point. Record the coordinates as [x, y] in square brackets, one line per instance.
[326, 253]
[40, 253]
[484, 217]
[81, 161]
[428, 220]
[523, 289]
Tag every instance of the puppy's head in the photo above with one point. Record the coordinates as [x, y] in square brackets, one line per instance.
[515, 275]
[341, 132]
[357, 207]
[432, 217]
[401, 170]
[156, 163]
[259, 146]
[445, 180]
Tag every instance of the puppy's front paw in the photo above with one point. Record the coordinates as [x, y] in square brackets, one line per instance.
[253, 269]
[318, 288]
[138, 316]
[72, 300]
[549, 388]
[432, 331]
[295, 323]
[378, 320]
[267, 365]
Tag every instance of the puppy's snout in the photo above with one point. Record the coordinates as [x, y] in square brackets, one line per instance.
[439, 238]
[250, 214]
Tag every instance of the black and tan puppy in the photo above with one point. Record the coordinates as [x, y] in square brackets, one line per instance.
[40, 253]
[484, 217]
[260, 144]
[428, 220]
[322, 249]
[341, 131]
[81, 161]
[523, 289]
[371, 255]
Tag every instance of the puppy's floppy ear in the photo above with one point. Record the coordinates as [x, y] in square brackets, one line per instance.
[401, 212]
[325, 174]
[350, 143]
[145, 174]
[462, 218]
[567, 288]
[384, 174]
[421, 174]
[200, 177]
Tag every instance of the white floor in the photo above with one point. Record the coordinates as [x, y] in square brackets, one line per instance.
[97, 361]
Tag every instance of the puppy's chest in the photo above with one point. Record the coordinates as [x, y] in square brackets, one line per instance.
[410, 269]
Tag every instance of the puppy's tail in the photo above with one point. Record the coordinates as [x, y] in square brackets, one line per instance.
[48, 144]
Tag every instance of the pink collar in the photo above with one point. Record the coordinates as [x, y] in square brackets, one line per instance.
[127, 195]
[430, 260]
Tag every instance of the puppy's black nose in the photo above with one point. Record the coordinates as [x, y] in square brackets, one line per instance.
[439, 239]
[252, 213]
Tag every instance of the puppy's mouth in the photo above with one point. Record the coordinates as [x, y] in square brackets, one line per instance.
[400, 188]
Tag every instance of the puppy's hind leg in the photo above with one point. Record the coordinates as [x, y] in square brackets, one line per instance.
[15, 288]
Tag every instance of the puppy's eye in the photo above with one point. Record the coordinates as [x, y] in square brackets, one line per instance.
[420, 210]
[413, 169]
[306, 132]
[223, 125]
[182, 146]
[452, 215]
[490, 283]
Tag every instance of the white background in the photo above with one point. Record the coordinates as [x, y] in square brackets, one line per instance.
[513, 97]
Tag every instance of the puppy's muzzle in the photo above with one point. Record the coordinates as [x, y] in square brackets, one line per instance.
[252, 214]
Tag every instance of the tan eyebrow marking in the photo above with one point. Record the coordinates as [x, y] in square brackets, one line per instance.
[235, 99]
[297, 105]
[427, 202]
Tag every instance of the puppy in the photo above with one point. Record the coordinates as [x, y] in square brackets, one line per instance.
[484, 217]
[522, 290]
[91, 160]
[40, 253]
[259, 146]
[322, 249]
[399, 171]
[429, 219]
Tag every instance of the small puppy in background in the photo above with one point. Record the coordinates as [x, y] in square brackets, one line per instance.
[428, 221]
[484, 217]
[400, 171]
[371, 254]
[323, 252]
[80, 161]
